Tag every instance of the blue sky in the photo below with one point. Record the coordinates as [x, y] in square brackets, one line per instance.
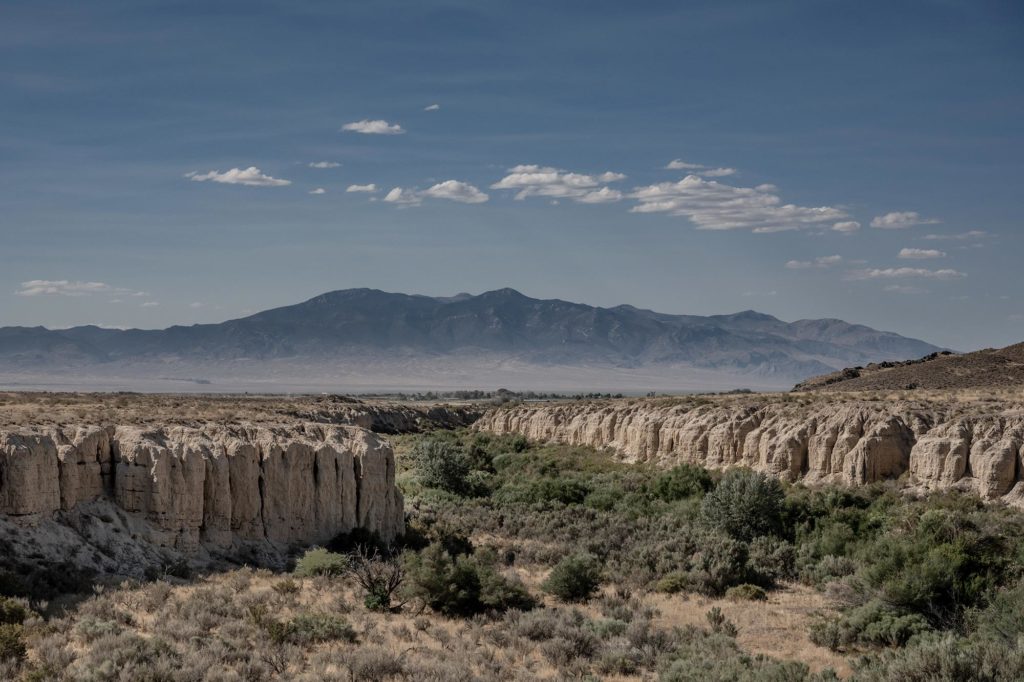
[860, 160]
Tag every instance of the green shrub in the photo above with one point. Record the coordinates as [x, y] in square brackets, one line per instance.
[312, 628]
[720, 624]
[745, 504]
[12, 612]
[771, 560]
[574, 578]
[462, 585]
[720, 563]
[673, 582]
[319, 561]
[680, 482]
[746, 592]
[441, 464]
[12, 643]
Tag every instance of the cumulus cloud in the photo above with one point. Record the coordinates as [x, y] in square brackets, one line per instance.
[846, 226]
[63, 287]
[973, 234]
[820, 262]
[899, 273]
[318, 190]
[456, 190]
[717, 172]
[251, 176]
[378, 127]
[324, 164]
[432, 107]
[712, 205]
[403, 197]
[544, 181]
[369, 189]
[452, 190]
[679, 164]
[900, 220]
[921, 254]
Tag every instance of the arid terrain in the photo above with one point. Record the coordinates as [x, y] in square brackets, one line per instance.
[813, 536]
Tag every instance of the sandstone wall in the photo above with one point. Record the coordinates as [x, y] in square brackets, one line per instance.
[976, 447]
[212, 487]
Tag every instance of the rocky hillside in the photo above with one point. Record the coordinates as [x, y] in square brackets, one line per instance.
[933, 444]
[992, 368]
[124, 497]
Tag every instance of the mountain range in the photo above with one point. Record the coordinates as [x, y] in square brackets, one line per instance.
[354, 332]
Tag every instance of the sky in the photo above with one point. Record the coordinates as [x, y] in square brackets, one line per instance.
[180, 162]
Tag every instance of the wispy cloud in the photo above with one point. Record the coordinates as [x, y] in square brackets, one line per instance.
[63, 287]
[717, 172]
[544, 181]
[846, 226]
[432, 107]
[904, 289]
[318, 190]
[324, 164]
[679, 164]
[451, 190]
[900, 273]
[369, 189]
[900, 220]
[820, 262]
[921, 254]
[150, 304]
[377, 127]
[962, 236]
[712, 205]
[251, 176]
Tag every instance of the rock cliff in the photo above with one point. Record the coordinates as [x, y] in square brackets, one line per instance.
[196, 490]
[976, 446]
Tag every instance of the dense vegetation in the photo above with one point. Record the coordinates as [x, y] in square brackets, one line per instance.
[526, 562]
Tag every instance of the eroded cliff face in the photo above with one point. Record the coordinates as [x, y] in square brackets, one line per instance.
[204, 489]
[971, 446]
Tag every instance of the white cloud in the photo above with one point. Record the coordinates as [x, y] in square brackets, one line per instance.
[150, 304]
[370, 189]
[545, 181]
[402, 197]
[196, 304]
[679, 164]
[604, 195]
[973, 234]
[432, 107]
[324, 164]
[711, 205]
[904, 289]
[921, 254]
[899, 220]
[251, 176]
[63, 287]
[456, 190]
[378, 127]
[820, 262]
[846, 226]
[898, 273]
[318, 190]
[717, 172]
[452, 190]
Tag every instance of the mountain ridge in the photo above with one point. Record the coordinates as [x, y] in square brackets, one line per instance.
[502, 323]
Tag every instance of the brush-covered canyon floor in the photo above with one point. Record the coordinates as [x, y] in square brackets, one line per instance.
[526, 559]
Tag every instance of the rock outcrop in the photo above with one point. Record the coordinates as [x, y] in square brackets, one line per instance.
[203, 490]
[975, 446]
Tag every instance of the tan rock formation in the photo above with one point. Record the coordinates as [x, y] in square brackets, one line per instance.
[975, 446]
[208, 488]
